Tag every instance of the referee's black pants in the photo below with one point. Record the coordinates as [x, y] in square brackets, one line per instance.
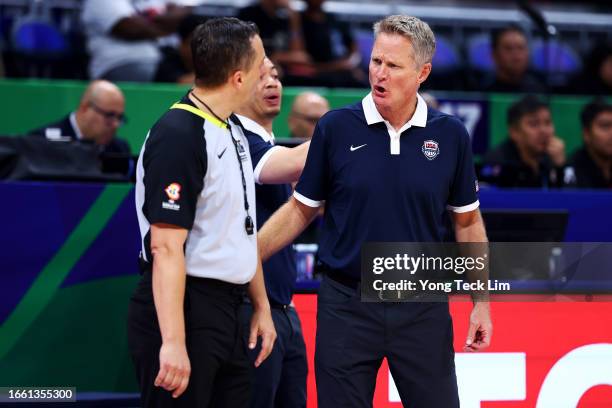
[354, 337]
[217, 353]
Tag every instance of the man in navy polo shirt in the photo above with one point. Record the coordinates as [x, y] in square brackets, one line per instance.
[280, 381]
[389, 169]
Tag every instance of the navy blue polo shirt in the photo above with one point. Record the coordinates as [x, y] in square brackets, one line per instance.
[280, 271]
[380, 185]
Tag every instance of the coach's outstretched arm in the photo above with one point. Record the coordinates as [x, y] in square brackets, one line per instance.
[469, 227]
[283, 227]
[285, 165]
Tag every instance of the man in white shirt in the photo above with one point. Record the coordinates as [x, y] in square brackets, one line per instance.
[122, 36]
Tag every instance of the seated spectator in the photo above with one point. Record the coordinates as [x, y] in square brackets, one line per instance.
[590, 166]
[176, 64]
[510, 53]
[122, 36]
[96, 120]
[280, 30]
[596, 79]
[306, 110]
[532, 156]
[332, 48]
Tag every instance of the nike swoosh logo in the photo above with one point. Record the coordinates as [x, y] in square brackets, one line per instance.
[353, 148]
[221, 154]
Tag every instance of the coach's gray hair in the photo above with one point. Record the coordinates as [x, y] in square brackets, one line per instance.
[417, 31]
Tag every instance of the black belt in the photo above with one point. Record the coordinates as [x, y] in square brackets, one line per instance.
[235, 289]
[280, 306]
[273, 305]
[342, 278]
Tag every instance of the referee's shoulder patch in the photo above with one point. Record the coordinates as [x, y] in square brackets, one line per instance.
[173, 191]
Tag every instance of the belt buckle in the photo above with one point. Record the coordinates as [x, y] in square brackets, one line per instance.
[393, 295]
[398, 296]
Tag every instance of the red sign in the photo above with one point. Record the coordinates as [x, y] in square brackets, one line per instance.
[543, 355]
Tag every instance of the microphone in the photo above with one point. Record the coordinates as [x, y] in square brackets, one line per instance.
[546, 30]
[537, 18]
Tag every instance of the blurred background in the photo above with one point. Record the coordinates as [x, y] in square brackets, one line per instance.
[531, 80]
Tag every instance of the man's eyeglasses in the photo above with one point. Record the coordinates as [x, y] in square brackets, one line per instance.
[109, 115]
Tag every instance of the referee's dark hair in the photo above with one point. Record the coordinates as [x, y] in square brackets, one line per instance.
[591, 110]
[221, 46]
[188, 25]
[524, 106]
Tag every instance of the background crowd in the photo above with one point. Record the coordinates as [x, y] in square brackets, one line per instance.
[514, 49]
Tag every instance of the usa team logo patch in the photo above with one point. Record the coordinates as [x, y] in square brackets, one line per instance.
[430, 149]
[173, 191]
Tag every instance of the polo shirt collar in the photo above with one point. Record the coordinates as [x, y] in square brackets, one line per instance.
[419, 118]
[252, 126]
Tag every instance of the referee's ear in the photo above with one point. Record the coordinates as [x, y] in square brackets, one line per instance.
[424, 72]
[237, 79]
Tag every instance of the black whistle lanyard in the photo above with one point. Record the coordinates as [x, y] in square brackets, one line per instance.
[249, 226]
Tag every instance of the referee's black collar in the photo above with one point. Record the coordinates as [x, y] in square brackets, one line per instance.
[185, 99]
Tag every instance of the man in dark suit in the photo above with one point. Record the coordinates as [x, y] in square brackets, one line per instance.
[96, 119]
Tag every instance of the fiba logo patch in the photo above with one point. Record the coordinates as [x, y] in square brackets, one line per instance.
[430, 149]
[173, 191]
